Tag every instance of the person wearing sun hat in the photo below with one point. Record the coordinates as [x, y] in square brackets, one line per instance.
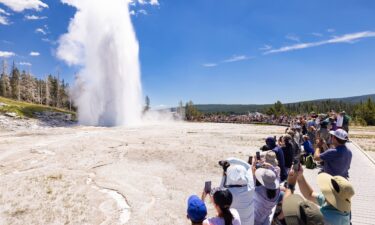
[267, 194]
[238, 179]
[336, 160]
[335, 197]
[297, 210]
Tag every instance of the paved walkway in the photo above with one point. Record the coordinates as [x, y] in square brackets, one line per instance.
[362, 176]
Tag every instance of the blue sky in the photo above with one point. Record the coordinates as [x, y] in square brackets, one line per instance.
[220, 51]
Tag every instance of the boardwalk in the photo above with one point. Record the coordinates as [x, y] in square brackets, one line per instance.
[362, 176]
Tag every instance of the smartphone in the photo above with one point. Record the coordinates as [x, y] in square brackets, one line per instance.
[296, 165]
[250, 160]
[207, 187]
[258, 156]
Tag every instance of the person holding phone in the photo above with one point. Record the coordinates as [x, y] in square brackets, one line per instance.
[271, 143]
[222, 199]
[335, 197]
[267, 195]
[238, 179]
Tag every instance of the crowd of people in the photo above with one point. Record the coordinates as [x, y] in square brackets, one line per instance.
[247, 119]
[260, 191]
[331, 118]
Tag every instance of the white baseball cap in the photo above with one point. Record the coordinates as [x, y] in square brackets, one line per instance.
[340, 134]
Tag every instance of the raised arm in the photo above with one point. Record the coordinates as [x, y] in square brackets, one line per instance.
[306, 189]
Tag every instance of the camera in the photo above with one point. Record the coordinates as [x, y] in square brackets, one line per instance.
[225, 164]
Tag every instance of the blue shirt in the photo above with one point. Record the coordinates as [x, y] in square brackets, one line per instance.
[331, 215]
[308, 147]
[337, 161]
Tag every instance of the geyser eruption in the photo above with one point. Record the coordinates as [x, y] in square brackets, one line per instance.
[102, 42]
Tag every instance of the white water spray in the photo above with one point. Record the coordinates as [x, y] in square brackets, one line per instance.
[101, 40]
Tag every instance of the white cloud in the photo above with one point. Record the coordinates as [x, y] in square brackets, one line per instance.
[34, 54]
[4, 20]
[265, 47]
[236, 58]
[292, 37]
[142, 11]
[154, 2]
[317, 34]
[47, 40]
[139, 12]
[144, 2]
[40, 30]
[21, 5]
[34, 17]
[25, 64]
[330, 30]
[5, 54]
[347, 38]
[209, 64]
[2, 11]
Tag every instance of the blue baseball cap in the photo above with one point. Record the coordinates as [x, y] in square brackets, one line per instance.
[196, 209]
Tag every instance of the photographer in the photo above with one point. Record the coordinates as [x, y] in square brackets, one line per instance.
[238, 179]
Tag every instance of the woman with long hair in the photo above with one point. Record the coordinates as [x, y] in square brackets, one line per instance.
[222, 199]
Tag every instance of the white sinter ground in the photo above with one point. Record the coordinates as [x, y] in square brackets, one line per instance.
[89, 175]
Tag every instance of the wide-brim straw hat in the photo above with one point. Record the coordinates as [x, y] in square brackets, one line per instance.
[337, 191]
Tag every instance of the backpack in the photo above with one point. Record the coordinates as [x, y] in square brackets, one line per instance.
[309, 163]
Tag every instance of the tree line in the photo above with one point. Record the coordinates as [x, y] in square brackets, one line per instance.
[362, 113]
[23, 86]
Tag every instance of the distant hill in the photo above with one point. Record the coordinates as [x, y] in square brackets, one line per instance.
[241, 109]
[354, 100]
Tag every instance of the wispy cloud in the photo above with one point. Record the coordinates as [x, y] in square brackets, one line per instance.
[292, 37]
[209, 64]
[34, 54]
[4, 20]
[142, 11]
[25, 64]
[347, 38]
[139, 12]
[265, 47]
[3, 17]
[316, 34]
[34, 17]
[5, 54]
[331, 30]
[236, 58]
[21, 5]
[41, 31]
[154, 2]
[2, 11]
[144, 2]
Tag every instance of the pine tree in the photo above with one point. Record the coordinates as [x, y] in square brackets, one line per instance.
[15, 82]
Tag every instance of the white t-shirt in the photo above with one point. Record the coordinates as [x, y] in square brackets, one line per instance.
[220, 220]
[340, 121]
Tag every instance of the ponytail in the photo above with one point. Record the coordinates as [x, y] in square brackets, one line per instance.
[223, 198]
[227, 215]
